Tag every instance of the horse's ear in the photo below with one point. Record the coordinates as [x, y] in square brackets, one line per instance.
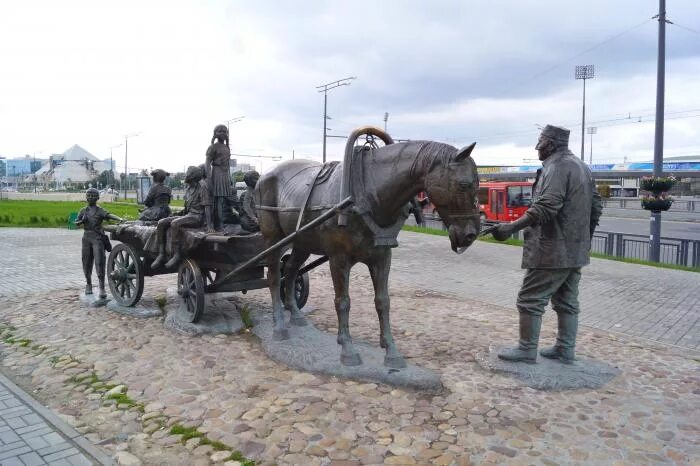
[465, 152]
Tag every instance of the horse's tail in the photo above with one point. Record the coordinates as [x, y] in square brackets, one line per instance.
[345, 188]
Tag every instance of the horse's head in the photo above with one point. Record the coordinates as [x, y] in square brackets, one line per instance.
[452, 186]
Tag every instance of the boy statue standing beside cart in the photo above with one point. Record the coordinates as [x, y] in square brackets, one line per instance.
[197, 212]
[94, 240]
[218, 173]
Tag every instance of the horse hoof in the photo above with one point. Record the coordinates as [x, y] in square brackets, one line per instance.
[280, 334]
[299, 321]
[396, 362]
[351, 359]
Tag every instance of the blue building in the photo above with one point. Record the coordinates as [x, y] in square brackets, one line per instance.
[21, 166]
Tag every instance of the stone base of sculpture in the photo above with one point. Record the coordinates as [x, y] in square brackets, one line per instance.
[134, 311]
[220, 317]
[548, 374]
[311, 350]
[93, 300]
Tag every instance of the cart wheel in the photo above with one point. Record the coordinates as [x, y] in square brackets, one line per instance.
[190, 287]
[301, 287]
[125, 274]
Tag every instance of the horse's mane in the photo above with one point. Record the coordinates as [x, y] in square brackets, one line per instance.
[430, 154]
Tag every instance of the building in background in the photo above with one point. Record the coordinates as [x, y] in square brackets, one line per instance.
[75, 165]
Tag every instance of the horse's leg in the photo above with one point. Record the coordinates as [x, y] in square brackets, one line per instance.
[280, 331]
[340, 272]
[291, 269]
[379, 269]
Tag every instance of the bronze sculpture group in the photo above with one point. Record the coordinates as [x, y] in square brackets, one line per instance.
[381, 183]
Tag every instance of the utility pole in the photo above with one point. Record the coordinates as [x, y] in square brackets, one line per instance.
[126, 156]
[655, 219]
[584, 72]
[325, 88]
[111, 167]
[386, 118]
[591, 130]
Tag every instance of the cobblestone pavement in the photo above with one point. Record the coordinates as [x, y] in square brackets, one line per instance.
[123, 382]
[648, 302]
[241, 400]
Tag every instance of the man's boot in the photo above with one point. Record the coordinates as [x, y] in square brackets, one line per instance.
[161, 257]
[88, 288]
[565, 347]
[103, 292]
[526, 350]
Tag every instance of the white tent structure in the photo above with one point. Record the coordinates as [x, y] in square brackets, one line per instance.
[76, 165]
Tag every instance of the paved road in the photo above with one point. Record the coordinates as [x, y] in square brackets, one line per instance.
[640, 226]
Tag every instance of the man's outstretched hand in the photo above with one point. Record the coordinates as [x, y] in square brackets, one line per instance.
[503, 231]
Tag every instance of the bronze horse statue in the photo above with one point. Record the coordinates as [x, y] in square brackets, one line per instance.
[382, 182]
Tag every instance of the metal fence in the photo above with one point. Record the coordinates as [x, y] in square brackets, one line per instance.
[679, 205]
[678, 251]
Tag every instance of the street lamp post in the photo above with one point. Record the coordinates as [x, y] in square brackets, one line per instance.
[126, 156]
[591, 130]
[584, 72]
[386, 118]
[232, 120]
[325, 88]
[111, 167]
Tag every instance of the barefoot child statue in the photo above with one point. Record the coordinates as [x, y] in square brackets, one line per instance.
[94, 239]
[197, 211]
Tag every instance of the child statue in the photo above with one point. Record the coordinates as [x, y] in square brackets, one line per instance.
[196, 213]
[218, 173]
[94, 239]
[158, 200]
[249, 218]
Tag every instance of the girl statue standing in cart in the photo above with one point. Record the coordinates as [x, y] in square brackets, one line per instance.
[94, 239]
[218, 174]
[197, 212]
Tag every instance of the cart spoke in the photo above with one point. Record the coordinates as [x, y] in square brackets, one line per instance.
[191, 303]
[128, 291]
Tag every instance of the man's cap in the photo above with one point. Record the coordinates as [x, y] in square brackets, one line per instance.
[556, 133]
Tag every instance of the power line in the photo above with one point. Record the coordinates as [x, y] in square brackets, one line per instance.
[571, 58]
[684, 27]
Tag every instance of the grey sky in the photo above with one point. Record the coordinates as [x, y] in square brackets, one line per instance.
[454, 71]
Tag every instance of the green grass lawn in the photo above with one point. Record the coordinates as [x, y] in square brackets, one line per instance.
[53, 214]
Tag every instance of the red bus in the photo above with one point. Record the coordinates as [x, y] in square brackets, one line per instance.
[501, 201]
[504, 201]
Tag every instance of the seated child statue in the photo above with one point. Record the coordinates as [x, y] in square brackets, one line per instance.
[197, 211]
[249, 217]
[94, 239]
[158, 200]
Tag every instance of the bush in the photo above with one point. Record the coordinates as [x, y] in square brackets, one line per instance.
[604, 190]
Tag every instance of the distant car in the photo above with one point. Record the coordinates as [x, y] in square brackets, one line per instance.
[109, 191]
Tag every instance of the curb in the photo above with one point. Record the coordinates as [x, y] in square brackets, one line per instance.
[57, 423]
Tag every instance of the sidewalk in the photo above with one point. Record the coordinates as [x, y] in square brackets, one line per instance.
[652, 303]
[31, 435]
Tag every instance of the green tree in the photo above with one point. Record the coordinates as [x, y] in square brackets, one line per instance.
[103, 179]
[238, 176]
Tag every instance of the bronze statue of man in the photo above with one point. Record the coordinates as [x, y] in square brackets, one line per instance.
[94, 240]
[158, 200]
[218, 174]
[558, 226]
[197, 212]
[249, 218]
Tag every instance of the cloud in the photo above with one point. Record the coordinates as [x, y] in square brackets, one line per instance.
[88, 73]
